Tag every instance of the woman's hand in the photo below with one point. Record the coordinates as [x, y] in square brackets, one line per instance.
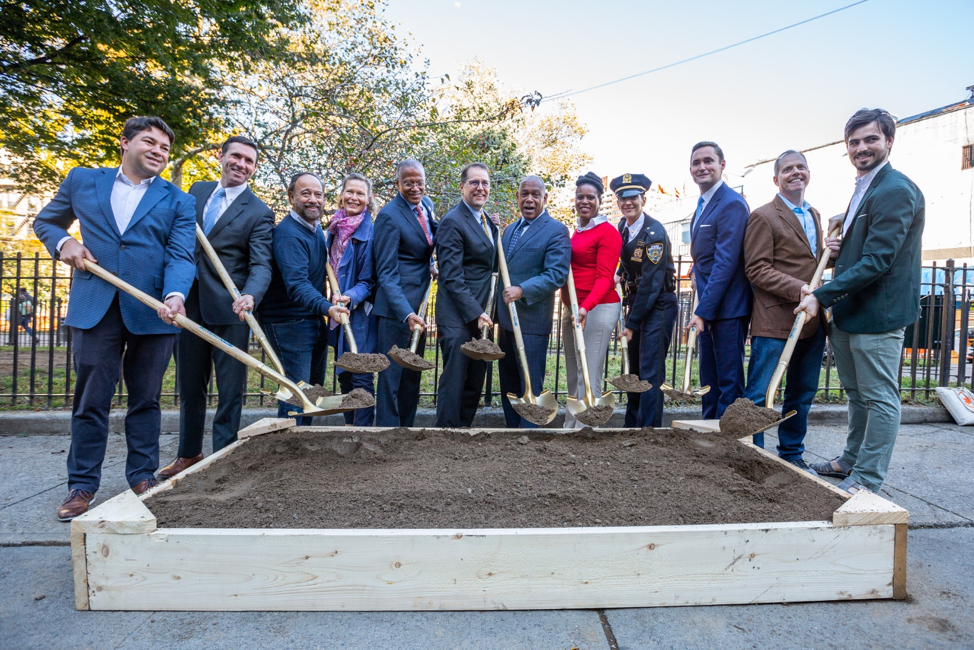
[582, 313]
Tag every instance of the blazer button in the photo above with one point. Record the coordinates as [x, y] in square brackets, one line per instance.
[122, 247]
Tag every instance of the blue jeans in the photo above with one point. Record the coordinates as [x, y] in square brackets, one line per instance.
[302, 347]
[801, 383]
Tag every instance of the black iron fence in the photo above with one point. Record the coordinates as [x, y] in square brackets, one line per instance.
[36, 364]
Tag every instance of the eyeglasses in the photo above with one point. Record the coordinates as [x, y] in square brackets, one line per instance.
[483, 184]
[411, 184]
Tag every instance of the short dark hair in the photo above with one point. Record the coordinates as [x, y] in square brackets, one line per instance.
[708, 143]
[136, 125]
[239, 139]
[466, 170]
[777, 161]
[294, 180]
[865, 116]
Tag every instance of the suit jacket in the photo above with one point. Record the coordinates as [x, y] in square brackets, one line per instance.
[716, 245]
[242, 240]
[876, 282]
[155, 254]
[356, 279]
[778, 262]
[401, 255]
[651, 250]
[539, 265]
[466, 260]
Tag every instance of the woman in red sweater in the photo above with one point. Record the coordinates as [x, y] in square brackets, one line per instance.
[596, 246]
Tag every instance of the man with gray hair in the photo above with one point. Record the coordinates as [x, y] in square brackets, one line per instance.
[782, 243]
[402, 254]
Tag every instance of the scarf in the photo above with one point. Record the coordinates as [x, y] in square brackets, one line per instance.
[343, 226]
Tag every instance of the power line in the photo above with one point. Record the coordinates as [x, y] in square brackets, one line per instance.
[700, 56]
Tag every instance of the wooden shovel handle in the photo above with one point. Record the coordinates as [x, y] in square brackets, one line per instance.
[518, 337]
[579, 339]
[342, 318]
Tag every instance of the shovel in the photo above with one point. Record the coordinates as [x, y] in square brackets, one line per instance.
[495, 352]
[626, 381]
[686, 394]
[590, 411]
[288, 389]
[796, 329]
[352, 360]
[536, 409]
[408, 358]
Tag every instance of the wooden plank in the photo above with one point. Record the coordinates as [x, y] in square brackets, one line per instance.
[267, 425]
[899, 562]
[866, 509]
[124, 514]
[400, 570]
[80, 567]
[700, 426]
[805, 475]
[169, 484]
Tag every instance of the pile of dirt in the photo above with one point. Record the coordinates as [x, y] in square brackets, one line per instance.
[534, 413]
[483, 346]
[678, 397]
[363, 362]
[312, 393]
[595, 416]
[358, 398]
[442, 479]
[409, 358]
[630, 383]
[743, 418]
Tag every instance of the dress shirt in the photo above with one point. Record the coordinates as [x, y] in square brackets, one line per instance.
[636, 227]
[709, 194]
[312, 226]
[804, 214]
[482, 219]
[862, 185]
[598, 219]
[230, 195]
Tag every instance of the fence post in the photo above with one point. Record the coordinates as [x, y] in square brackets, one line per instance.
[947, 324]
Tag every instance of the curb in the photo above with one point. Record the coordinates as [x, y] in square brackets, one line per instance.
[35, 423]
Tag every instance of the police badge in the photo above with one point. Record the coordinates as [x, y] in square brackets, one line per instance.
[654, 253]
[637, 255]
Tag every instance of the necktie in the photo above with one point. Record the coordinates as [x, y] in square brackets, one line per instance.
[517, 234]
[213, 210]
[699, 208]
[807, 226]
[625, 236]
[423, 225]
[483, 222]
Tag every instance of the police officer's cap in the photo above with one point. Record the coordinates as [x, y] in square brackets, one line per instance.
[630, 185]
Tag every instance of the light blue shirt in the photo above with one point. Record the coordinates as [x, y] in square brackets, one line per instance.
[807, 220]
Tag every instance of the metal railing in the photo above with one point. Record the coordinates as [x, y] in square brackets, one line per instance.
[36, 363]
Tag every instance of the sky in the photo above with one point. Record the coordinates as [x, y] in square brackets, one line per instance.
[791, 90]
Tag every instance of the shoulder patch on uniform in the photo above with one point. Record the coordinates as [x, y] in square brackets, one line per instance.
[654, 252]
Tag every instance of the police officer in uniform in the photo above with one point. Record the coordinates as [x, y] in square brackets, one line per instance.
[648, 278]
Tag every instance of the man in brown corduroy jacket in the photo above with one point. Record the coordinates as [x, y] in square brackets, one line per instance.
[782, 244]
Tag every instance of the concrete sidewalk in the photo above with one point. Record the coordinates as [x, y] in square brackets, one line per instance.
[929, 476]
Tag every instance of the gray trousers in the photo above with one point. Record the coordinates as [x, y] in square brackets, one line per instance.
[868, 367]
[598, 334]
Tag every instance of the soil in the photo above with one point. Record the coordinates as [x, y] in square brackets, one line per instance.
[483, 346]
[744, 418]
[679, 398]
[312, 393]
[442, 479]
[358, 398]
[630, 383]
[363, 362]
[409, 358]
[595, 416]
[533, 413]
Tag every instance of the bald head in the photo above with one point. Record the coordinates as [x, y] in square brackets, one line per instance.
[531, 197]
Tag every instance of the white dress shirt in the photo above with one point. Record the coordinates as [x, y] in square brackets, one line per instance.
[595, 221]
[709, 194]
[126, 197]
[633, 229]
[230, 195]
[862, 185]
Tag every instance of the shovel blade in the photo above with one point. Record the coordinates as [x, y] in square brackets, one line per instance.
[700, 392]
[575, 406]
[608, 399]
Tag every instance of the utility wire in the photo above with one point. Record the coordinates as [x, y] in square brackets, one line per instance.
[700, 56]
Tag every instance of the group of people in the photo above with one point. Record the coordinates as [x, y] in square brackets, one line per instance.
[751, 273]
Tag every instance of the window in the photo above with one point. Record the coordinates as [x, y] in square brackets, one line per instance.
[967, 157]
[685, 233]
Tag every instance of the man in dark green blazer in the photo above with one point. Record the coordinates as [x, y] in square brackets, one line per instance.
[874, 296]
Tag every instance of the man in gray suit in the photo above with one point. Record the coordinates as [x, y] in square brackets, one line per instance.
[465, 251]
[538, 253]
[239, 227]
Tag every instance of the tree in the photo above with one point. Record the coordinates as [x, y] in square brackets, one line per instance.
[71, 72]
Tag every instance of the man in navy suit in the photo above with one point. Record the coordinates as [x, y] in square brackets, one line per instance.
[538, 252]
[402, 253]
[466, 252]
[723, 291]
[238, 225]
[140, 228]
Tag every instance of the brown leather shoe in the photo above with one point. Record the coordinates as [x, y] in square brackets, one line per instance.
[144, 486]
[177, 466]
[76, 504]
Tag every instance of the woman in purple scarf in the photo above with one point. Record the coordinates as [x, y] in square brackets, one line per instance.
[350, 255]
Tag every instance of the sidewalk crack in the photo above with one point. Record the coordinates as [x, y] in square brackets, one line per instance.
[610, 636]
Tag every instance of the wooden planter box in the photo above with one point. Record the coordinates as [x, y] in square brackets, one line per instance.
[123, 561]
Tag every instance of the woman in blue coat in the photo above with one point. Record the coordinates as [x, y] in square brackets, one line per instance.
[350, 254]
